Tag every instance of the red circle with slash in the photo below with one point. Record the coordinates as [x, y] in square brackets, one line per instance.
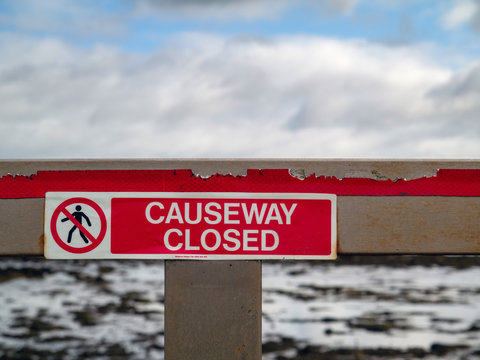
[62, 209]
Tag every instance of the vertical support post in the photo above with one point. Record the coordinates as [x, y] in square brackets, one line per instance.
[213, 310]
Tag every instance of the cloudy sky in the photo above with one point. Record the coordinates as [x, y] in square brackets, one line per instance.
[240, 78]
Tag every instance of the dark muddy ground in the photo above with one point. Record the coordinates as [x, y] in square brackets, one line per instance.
[409, 307]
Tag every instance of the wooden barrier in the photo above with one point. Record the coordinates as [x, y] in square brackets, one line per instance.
[213, 309]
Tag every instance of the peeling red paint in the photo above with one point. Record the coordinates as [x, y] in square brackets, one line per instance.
[448, 182]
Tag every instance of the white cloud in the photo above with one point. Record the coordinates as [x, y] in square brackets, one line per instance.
[249, 9]
[463, 11]
[340, 6]
[206, 96]
[475, 22]
[101, 20]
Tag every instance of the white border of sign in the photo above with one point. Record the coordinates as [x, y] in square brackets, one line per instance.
[104, 200]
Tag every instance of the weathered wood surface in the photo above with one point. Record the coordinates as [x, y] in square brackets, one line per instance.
[340, 168]
[366, 224]
[213, 310]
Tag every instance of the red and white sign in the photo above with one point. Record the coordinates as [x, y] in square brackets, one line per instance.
[204, 226]
[79, 238]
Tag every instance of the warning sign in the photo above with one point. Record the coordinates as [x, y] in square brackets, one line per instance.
[78, 225]
[190, 225]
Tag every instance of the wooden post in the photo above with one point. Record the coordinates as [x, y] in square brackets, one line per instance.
[213, 310]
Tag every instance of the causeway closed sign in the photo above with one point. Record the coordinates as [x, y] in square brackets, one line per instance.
[183, 225]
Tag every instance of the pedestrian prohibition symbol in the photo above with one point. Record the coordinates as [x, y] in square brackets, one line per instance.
[78, 225]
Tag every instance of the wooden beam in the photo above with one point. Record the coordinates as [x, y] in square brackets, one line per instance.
[408, 225]
[366, 224]
[340, 168]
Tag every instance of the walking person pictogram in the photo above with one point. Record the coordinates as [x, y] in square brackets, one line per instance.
[85, 215]
[78, 215]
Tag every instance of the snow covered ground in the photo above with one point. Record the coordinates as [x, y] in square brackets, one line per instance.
[346, 310]
[413, 310]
